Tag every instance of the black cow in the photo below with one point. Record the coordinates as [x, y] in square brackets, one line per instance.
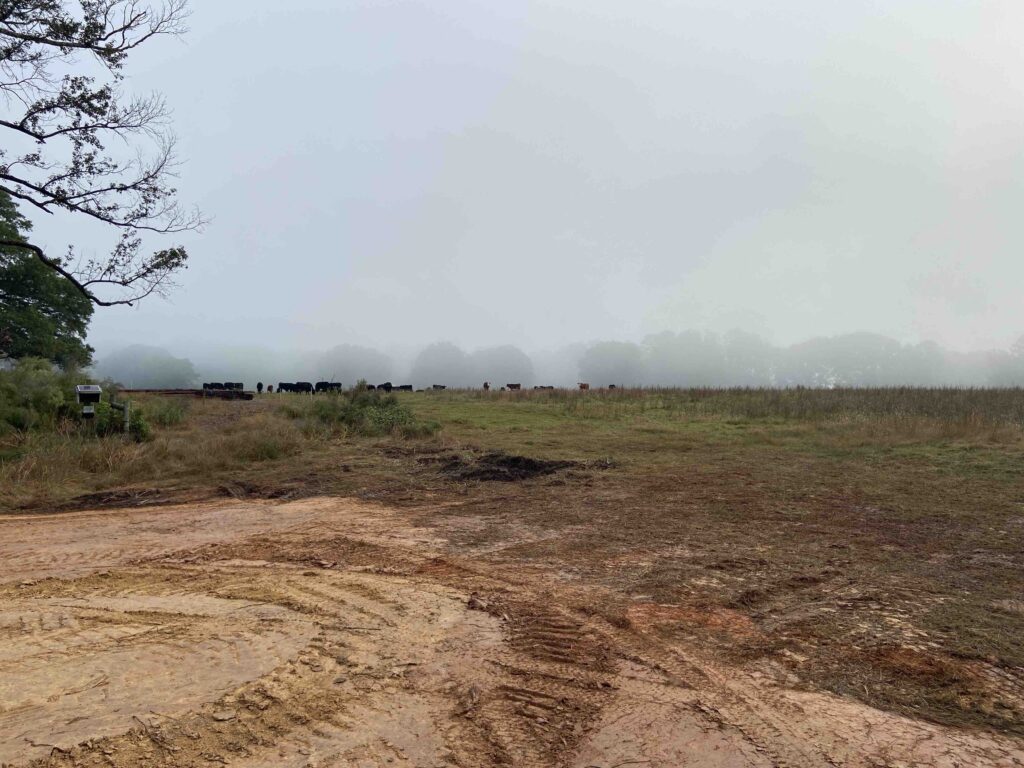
[303, 387]
[404, 387]
[259, 387]
[283, 387]
[327, 386]
[370, 387]
[213, 385]
[438, 386]
[513, 387]
[544, 387]
[386, 386]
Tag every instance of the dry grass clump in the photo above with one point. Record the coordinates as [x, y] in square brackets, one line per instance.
[37, 467]
[192, 443]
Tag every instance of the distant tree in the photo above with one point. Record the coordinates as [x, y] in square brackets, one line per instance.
[924, 365]
[689, 359]
[41, 314]
[749, 360]
[850, 360]
[612, 362]
[502, 365]
[142, 367]
[1007, 368]
[443, 363]
[61, 76]
[1017, 348]
[348, 363]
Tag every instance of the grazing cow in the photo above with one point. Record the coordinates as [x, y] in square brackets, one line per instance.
[386, 386]
[370, 387]
[320, 386]
[584, 386]
[303, 387]
[513, 387]
[283, 387]
[404, 387]
[438, 386]
[612, 386]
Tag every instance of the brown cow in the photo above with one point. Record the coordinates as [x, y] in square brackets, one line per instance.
[584, 385]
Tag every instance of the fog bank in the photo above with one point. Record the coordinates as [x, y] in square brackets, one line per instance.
[667, 359]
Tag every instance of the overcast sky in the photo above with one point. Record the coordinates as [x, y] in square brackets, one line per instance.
[537, 173]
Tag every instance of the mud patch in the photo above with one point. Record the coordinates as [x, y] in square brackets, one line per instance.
[243, 489]
[500, 467]
[928, 684]
[119, 498]
[657, 615]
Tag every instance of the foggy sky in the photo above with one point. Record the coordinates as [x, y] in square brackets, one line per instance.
[394, 174]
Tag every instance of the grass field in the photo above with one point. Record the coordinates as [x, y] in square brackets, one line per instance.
[869, 542]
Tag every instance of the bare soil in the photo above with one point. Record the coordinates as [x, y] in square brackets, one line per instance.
[341, 632]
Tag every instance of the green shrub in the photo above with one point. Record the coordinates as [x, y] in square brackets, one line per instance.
[369, 413]
[36, 396]
[165, 411]
[109, 421]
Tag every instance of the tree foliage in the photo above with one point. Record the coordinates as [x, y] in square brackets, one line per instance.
[41, 314]
[61, 76]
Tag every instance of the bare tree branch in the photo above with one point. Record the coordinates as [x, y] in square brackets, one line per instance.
[148, 277]
[67, 121]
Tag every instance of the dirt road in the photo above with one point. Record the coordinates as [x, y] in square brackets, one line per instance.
[331, 632]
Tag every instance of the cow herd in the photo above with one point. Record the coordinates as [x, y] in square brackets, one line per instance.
[235, 386]
[322, 387]
[307, 387]
[516, 387]
[387, 386]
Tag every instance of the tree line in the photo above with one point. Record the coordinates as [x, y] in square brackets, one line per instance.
[687, 359]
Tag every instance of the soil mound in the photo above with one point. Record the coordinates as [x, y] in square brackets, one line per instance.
[501, 467]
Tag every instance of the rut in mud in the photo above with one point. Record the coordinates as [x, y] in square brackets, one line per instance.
[328, 632]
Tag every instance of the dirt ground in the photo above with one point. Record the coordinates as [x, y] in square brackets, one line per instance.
[345, 632]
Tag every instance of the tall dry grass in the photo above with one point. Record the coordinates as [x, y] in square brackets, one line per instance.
[959, 410]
